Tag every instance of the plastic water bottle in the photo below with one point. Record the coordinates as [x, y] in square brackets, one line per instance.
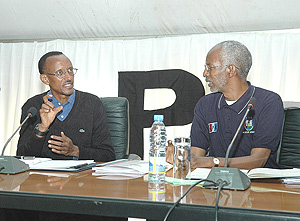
[156, 191]
[157, 156]
[157, 160]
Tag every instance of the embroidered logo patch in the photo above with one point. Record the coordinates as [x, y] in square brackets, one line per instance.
[248, 123]
[213, 127]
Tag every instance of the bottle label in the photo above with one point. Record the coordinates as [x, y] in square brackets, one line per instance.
[157, 165]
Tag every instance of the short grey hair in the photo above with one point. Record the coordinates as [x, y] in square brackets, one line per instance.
[237, 54]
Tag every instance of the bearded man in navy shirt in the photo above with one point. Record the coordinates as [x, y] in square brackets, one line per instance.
[218, 115]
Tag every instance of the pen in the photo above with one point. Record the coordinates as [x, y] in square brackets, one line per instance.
[25, 157]
[28, 157]
[79, 166]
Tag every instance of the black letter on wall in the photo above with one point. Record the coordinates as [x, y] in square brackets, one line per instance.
[188, 89]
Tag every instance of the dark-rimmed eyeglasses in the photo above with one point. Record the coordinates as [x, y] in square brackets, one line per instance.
[208, 68]
[61, 74]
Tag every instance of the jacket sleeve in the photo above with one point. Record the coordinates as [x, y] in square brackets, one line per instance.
[29, 144]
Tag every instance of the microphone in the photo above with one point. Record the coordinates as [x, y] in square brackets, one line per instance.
[30, 113]
[250, 105]
[9, 164]
[236, 180]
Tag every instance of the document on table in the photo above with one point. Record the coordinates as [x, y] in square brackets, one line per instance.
[59, 165]
[273, 173]
[257, 173]
[123, 169]
[34, 160]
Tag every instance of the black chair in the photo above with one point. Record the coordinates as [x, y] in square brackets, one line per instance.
[117, 110]
[289, 149]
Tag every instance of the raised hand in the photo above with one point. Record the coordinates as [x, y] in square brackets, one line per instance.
[48, 113]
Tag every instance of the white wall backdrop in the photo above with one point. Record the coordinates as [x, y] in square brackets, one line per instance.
[276, 66]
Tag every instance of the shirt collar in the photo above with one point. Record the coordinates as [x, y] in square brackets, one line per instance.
[241, 103]
[56, 103]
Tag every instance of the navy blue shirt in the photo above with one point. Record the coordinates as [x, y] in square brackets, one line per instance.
[215, 123]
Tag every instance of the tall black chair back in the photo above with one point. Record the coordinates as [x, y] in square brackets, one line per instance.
[289, 149]
[117, 110]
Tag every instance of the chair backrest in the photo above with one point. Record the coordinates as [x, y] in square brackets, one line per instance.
[117, 110]
[289, 148]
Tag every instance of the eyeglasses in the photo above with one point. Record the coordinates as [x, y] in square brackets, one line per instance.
[61, 74]
[208, 68]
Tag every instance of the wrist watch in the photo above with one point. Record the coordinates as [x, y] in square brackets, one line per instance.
[216, 162]
[38, 132]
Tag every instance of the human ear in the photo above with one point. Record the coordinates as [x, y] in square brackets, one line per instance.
[232, 70]
[44, 79]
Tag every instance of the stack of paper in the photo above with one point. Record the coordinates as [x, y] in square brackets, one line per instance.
[122, 169]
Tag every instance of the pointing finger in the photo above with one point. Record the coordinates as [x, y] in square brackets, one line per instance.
[47, 102]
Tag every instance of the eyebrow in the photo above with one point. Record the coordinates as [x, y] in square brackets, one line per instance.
[61, 69]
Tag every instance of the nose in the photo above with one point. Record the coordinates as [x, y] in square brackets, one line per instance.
[205, 73]
[68, 76]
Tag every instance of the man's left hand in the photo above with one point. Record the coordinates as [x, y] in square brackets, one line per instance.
[63, 145]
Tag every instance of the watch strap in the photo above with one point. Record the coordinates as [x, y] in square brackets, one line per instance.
[38, 132]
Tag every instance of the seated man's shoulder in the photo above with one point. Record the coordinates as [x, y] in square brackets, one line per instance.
[89, 100]
[35, 99]
[210, 99]
[86, 95]
[267, 95]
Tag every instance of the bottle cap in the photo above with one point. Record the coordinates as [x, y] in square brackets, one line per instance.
[158, 117]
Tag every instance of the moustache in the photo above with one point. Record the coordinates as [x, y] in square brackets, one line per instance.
[69, 82]
[208, 80]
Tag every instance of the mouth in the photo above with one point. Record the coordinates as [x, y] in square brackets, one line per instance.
[209, 82]
[68, 84]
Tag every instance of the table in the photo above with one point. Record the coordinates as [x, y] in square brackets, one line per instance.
[83, 193]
